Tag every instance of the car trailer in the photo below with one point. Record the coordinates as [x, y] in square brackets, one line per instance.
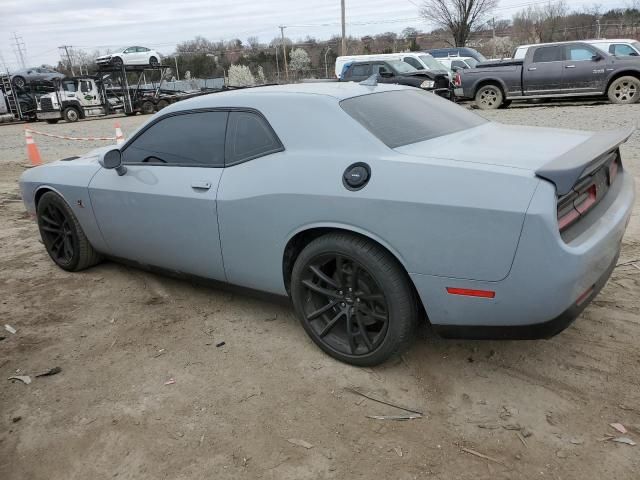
[19, 104]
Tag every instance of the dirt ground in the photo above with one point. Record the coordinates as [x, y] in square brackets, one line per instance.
[534, 409]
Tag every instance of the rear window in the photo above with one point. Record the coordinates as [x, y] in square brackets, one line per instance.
[403, 117]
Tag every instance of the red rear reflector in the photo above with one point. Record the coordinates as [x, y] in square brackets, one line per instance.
[470, 292]
[586, 294]
[588, 201]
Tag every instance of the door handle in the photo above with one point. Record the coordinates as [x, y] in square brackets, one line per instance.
[201, 185]
[569, 66]
[532, 68]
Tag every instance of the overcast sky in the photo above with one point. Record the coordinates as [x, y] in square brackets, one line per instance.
[44, 25]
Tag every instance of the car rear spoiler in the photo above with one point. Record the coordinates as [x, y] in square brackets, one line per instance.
[564, 171]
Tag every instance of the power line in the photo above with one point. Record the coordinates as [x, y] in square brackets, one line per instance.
[20, 49]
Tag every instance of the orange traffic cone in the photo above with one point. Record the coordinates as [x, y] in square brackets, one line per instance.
[119, 135]
[32, 149]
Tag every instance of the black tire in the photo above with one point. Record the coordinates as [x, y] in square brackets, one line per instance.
[153, 61]
[71, 114]
[116, 61]
[19, 82]
[161, 104]
[130, 114]
[624, 90]
[147, 107]
[62, 235]
[489, 97]
[55, 120]
[369, 291]
[505, 104]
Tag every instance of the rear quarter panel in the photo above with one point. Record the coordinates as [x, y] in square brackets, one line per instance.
[438, 217]
[508, 77]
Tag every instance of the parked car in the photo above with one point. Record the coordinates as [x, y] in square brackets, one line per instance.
[20, 78]
[458, 63]
[408, 208]
[572, 69]
[131, 56]
[418, 60]
[397, 71]
[439, 53]
[619, 47]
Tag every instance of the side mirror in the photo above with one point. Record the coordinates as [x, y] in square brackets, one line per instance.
[113, 160]
[386, 74]
[597, 57]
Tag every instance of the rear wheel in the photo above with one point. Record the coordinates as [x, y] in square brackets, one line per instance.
[624, 90]
[147, 107]
[19, 81]
[153, 61]
[353, 299]
[66, 243]
[71, 115]
[489, 97]
[162, 104]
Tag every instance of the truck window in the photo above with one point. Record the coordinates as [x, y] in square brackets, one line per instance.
[69, 86]
[622, 50]
[576, 53]
[359, 70]
[85, 86]
[459, 64]
[413, 62]
[547, 54]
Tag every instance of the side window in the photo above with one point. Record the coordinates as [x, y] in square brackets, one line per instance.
[130, 50]
[622, 50]
[360, 70]
[380, 68]
[69, 86]
[459, 64]
[249, 136]
[577, 54]
[547, 54]
[413, 62]
[85, 86]
[142, 49]
[191, 139]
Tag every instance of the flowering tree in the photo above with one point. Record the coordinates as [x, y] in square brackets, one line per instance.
[241, 76]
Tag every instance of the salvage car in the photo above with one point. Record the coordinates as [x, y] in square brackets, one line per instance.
[38, 75]
[368, 214]
[559, 70]
[401, 73]
[131, 56]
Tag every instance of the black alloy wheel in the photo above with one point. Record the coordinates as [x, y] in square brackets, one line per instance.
[353, 299]
[62, 235]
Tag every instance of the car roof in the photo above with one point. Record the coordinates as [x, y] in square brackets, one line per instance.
[336, 90]
[599, 40]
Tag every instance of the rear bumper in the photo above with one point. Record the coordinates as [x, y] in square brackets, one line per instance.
[539, 296]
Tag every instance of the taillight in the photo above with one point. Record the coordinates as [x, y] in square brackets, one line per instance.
[457, 81]
[571, 206]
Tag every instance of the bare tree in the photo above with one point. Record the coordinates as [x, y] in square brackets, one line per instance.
[459, 17]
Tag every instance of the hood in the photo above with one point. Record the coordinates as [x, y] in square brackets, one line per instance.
[90, 157]
[491, 143]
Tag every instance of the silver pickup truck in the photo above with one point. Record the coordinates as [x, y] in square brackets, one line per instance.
[566, 69]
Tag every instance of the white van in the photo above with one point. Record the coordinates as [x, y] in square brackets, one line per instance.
[418, 60]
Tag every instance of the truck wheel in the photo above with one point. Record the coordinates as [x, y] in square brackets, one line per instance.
[489, 97]
[70, 114]
[624, 90]
[55, 120]
[153, 61]
[116, 61]
[147, 107]
[162, 104]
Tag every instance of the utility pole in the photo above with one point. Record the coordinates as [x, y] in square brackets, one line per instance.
[326, 68]
[277, 64]
[493, 35]
[177, 72]
[597, 28]
[66, 49]
[284, 52]
[19, 46]
[344, 41]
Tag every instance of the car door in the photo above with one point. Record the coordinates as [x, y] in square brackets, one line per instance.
[162, 212]
[543, 74]
[384, 73]
[129, 56]
[583, 69]
[142, 55]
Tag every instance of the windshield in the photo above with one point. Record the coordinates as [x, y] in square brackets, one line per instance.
[472, 62]
[402, 117]
[431, 62]
[402, 67]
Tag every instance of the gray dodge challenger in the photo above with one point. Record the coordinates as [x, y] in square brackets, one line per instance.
[373, 207]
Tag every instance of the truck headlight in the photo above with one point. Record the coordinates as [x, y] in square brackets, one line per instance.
[427, 84]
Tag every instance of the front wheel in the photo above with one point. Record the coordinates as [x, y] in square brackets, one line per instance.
[353, 299]
[62, 235]
[489, 97]
[71, 115]
[19, 82]
[624, 90]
